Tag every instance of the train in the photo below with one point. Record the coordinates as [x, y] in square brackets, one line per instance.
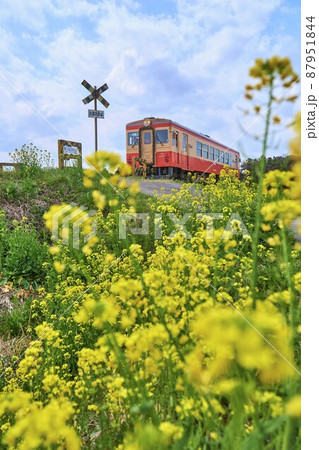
[168, 149]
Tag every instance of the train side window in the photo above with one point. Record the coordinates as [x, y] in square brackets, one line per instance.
[147, 137]
[205, 151]
[198, 149]
[231, 160]
[217, 154]
[222, 157]
[226, 157]
[185, 142]
[175, 138]
[133, 138]
[162, 137]
[211, 153]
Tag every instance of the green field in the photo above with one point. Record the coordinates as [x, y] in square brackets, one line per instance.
[184, 337]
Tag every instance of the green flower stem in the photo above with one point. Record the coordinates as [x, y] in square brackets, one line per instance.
[258, 218]
[290, 283]
[289, 428]
[288, 434]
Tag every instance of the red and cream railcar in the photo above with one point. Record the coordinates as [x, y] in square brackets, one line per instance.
[173, 150]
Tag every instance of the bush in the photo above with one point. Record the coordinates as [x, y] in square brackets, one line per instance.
[9, 190]
[14, 322]
[31, 157]
[24, 256]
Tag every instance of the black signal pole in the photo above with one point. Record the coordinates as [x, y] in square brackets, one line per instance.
[95, 120]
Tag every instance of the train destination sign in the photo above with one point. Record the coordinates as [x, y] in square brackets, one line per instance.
[96, 113]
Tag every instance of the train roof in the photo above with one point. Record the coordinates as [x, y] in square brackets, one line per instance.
[158, 121]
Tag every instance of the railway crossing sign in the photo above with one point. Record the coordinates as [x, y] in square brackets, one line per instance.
[95, 95]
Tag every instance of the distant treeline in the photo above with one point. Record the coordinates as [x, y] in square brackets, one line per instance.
[272, 163]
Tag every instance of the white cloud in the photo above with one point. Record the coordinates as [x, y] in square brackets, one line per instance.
[190, 66]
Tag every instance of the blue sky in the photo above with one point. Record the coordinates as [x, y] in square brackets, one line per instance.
[186, 60]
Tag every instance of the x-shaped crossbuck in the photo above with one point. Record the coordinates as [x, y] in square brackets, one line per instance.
[95, 93]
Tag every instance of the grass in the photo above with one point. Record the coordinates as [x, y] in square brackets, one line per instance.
[31, 196]
[122, 339]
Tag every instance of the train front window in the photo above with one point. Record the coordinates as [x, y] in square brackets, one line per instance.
[162, 137]
[226, 158]
[222, 157]
[230, 160]
[147, 137]
[133, 138]
[216, 154]
[211, 153]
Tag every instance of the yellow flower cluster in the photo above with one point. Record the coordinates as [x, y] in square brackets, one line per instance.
[38, 426]
[216, 353]
[265, 70]
[285, 187]
[54, 222]
[271, 73]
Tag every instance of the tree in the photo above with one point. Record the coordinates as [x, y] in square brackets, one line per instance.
[272, 163]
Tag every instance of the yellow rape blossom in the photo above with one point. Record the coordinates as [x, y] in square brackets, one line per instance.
[39, 426]
[293, 407]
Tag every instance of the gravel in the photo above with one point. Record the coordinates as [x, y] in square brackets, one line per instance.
[148, 186]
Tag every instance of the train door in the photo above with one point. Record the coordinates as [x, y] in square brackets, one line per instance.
[186, 150]
[176, 146]
[147, 145]
[178, 150]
